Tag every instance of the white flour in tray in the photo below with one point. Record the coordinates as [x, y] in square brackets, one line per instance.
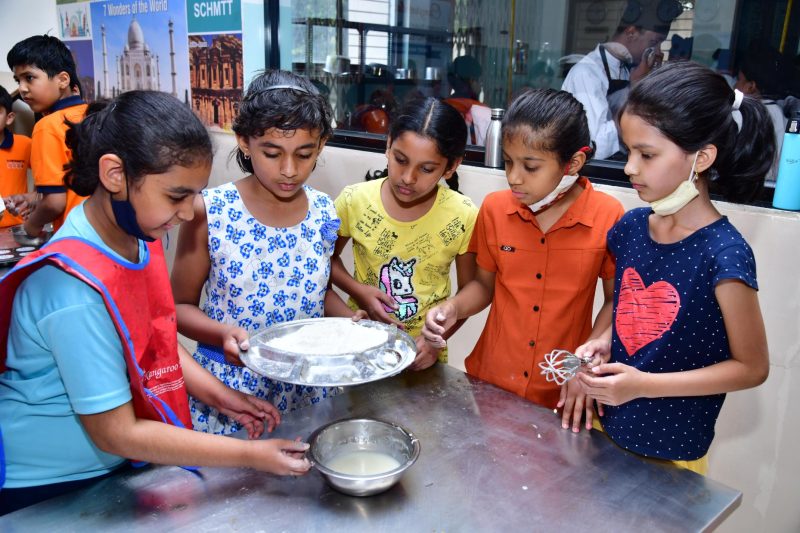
[330, 338]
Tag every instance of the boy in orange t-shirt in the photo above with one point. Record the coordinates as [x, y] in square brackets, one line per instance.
[48, 83]
[15, 155]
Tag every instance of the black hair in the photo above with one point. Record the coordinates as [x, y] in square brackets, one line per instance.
[6, 101]
[47, 53]
[282, 100]
[149, 131]
[692, 106]
[551, 120]
[437, 121]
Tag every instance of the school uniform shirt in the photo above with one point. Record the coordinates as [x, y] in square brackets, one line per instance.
[58, 371]
[544, 286]
[667, 319]
[15, 156]
[49, 152]
[410, 261]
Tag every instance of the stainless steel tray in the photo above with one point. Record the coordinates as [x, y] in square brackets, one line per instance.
[333, 369]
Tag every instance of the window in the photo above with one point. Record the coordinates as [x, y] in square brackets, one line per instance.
[371, 55]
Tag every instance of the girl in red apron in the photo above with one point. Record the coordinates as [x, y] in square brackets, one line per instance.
[91, 370]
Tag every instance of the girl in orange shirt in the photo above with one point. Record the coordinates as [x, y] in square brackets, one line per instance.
[540, 248]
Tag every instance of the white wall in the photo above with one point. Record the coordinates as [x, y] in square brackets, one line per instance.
[23, 18]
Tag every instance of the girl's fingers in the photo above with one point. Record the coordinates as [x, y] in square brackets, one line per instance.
[387, 300]
[609, 368]
[589, 414]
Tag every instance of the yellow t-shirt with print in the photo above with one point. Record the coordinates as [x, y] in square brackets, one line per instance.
[410, 261]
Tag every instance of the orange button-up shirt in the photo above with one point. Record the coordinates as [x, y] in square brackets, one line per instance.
[544, 286]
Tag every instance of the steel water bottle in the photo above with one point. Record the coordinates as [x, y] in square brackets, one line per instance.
[494, 140]
[787, 188]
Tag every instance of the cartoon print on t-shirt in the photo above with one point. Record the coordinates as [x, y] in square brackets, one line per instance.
[644, 314]
[395, 280]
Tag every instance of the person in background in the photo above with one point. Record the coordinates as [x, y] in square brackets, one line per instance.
[464, 77]
[259, 248]
[15, 155]
[602, 79]
[45, 70]
[764, 75]
[687, 325]
[541, 247]
[92, 372]
[408, 228]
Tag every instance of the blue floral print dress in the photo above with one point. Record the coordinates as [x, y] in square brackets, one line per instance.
[260, 276]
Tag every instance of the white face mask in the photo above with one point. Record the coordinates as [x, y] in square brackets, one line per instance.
[561, 189]
[677, 199]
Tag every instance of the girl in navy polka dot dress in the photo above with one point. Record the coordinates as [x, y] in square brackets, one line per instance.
[687, 325]
[259, 248]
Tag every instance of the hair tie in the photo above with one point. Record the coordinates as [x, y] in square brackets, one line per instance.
[738, 97]
[274, 88]
[293, 87]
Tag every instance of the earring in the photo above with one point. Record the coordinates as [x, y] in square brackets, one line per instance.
[247, 156]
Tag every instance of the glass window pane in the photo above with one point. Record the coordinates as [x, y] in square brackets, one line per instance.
[372, 55]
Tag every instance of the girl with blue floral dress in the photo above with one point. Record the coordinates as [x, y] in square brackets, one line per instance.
[258, 250]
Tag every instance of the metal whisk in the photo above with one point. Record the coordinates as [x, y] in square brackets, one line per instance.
[560, 365]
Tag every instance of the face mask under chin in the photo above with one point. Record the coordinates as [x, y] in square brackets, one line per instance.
[556, 194]
[125, 215]
[682, 195]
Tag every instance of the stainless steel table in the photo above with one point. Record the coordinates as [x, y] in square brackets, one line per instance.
[490, 461]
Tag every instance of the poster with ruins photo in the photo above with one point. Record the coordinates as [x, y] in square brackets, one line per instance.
[215, 60]
[215, 71]
[140, 44]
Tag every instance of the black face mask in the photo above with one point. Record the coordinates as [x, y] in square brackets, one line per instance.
[125, 215]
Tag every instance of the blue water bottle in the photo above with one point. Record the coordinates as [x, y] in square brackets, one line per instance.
[787, 188]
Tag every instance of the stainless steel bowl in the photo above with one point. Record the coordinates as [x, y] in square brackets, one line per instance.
[362, 434]
[23, 239]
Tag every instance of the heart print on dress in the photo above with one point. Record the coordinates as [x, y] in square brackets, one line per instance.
[644, 313]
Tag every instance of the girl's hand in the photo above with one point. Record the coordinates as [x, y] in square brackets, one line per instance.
[372, 300]
[280, 456]
[438, 320]
[613, 383]
[234, 340]
[427, 354]
[360, 315]
[575, 404]
[573, 398]
[598, 349]
[251, 412]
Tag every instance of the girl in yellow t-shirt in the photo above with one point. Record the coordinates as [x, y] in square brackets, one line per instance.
[408, 228]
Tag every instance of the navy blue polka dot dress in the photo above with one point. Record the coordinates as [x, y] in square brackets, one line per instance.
[667, 319]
